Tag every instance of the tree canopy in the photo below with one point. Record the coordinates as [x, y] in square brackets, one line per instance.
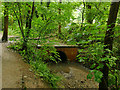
[94, 26]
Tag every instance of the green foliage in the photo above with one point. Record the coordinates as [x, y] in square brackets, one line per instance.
[36, 58]
[41, 69]
[89, 76]
[94, 56]
[98, 11]
[16, 46]
[114, 78]
[89, 36]
[98, 75]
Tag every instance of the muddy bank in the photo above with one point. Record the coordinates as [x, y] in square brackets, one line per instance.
[73, 75]
[16, 73]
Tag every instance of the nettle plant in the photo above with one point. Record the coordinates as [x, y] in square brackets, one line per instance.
[93, 48]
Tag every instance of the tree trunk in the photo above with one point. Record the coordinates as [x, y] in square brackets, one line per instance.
[108, 41]
[5, 32]
[59, 27]
[89, 16]
[83, 15]
[28, 26]
[48, 4]
[29, 20]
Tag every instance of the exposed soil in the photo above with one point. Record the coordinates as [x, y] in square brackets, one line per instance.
[16, 73]
[73, 75]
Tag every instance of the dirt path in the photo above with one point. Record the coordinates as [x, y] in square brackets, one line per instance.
[16, 73]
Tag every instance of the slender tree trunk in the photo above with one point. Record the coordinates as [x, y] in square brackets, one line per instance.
[83, 14]
[12, 22]
[48, 4]
[108, 41]
[43, 15]
[5, 33]
[59, 26]
[28, 26]
[89, 16]
[30, 20]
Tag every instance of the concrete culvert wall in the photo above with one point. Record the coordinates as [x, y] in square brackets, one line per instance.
[62, 55]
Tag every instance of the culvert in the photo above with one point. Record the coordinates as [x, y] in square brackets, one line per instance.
[62, 55]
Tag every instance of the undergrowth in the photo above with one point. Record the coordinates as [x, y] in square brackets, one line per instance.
[36, 58]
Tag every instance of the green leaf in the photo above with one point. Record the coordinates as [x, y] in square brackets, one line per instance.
[104, 59]
[89, 76]
[93, 65]
[100, 66]
[98, 75]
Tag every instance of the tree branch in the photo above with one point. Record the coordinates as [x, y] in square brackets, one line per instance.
[21, 29]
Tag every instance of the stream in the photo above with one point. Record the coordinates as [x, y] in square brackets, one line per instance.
[73, 75]
[15, 72]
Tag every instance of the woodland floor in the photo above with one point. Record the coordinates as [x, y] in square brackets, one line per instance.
[16, 73]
